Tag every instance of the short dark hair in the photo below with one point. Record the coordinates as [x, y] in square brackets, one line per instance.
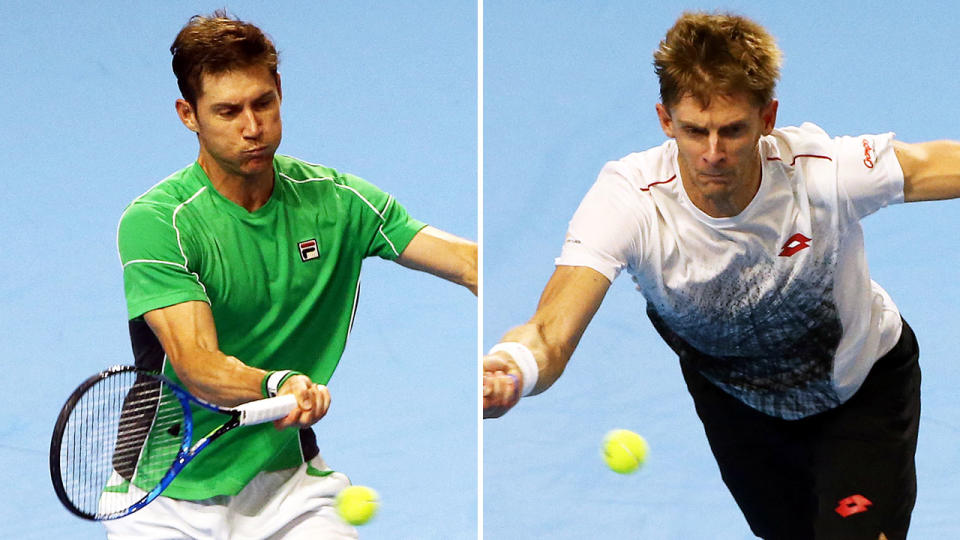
[707, 54]
[216, 44]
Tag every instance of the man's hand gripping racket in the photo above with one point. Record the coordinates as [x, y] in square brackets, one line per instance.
[125, 433]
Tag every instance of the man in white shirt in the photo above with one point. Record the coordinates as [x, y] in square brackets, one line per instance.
[745, 242]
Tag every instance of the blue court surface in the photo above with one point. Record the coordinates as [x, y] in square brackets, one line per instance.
[384, 91]
[569, 86]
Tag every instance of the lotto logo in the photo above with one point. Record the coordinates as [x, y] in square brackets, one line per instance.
[308, 250]
[795, 244]
[869, 154]
[853, 504]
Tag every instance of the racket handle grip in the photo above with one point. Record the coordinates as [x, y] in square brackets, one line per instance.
[266, 410]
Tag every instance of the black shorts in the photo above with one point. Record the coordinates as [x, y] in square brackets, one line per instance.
[847, 473]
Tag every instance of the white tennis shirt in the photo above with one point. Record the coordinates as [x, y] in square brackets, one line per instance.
[778, 299]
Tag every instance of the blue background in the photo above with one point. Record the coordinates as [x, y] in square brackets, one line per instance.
[384, 91]
[570, 85]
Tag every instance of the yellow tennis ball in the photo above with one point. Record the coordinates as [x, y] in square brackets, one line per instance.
[357, 504]
[624, 451]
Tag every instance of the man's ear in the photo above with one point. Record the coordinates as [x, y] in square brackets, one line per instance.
[666, 122]
[279, 88]
[187, 114]
[768, 116]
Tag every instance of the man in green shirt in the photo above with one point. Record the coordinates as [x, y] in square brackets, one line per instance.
[241, 275]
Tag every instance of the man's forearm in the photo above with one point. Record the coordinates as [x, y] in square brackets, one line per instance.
[218, 378]
[551, 358]
[188, 336]
[443, 255]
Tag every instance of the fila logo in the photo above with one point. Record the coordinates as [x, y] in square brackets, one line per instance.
[869, 154]
[308, 250]
[854, 504]
[796, 243]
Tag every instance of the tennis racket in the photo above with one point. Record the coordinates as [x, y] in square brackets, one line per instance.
[125, 433]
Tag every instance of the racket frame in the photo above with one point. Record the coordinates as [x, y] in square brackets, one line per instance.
[185, 453]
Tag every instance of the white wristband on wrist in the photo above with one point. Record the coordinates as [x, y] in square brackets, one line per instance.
[525, 361]
[274, 381]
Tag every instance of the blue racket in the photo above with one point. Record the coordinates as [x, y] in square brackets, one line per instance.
[125, 433]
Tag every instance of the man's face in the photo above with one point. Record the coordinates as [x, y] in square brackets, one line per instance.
[237, 120]
[718, 146]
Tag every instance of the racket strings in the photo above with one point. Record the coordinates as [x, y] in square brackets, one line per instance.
[125, 429]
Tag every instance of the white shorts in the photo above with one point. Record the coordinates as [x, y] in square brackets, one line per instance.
[289, 504]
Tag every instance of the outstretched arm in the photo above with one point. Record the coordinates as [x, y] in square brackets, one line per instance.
[443, 255]
[568, 303]
[189, 338]
[931, 170]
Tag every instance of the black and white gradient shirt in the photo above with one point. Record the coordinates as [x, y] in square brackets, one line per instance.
[778, 299]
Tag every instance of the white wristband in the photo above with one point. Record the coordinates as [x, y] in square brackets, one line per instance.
[274, 380]
[525, 361]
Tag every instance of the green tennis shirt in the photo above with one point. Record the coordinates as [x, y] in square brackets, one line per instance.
[282, 283]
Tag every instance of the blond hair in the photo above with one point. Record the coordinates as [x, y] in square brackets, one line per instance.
[706, 55]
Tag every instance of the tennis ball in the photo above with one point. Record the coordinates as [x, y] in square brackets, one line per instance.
[624, 451]
[357, 504]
